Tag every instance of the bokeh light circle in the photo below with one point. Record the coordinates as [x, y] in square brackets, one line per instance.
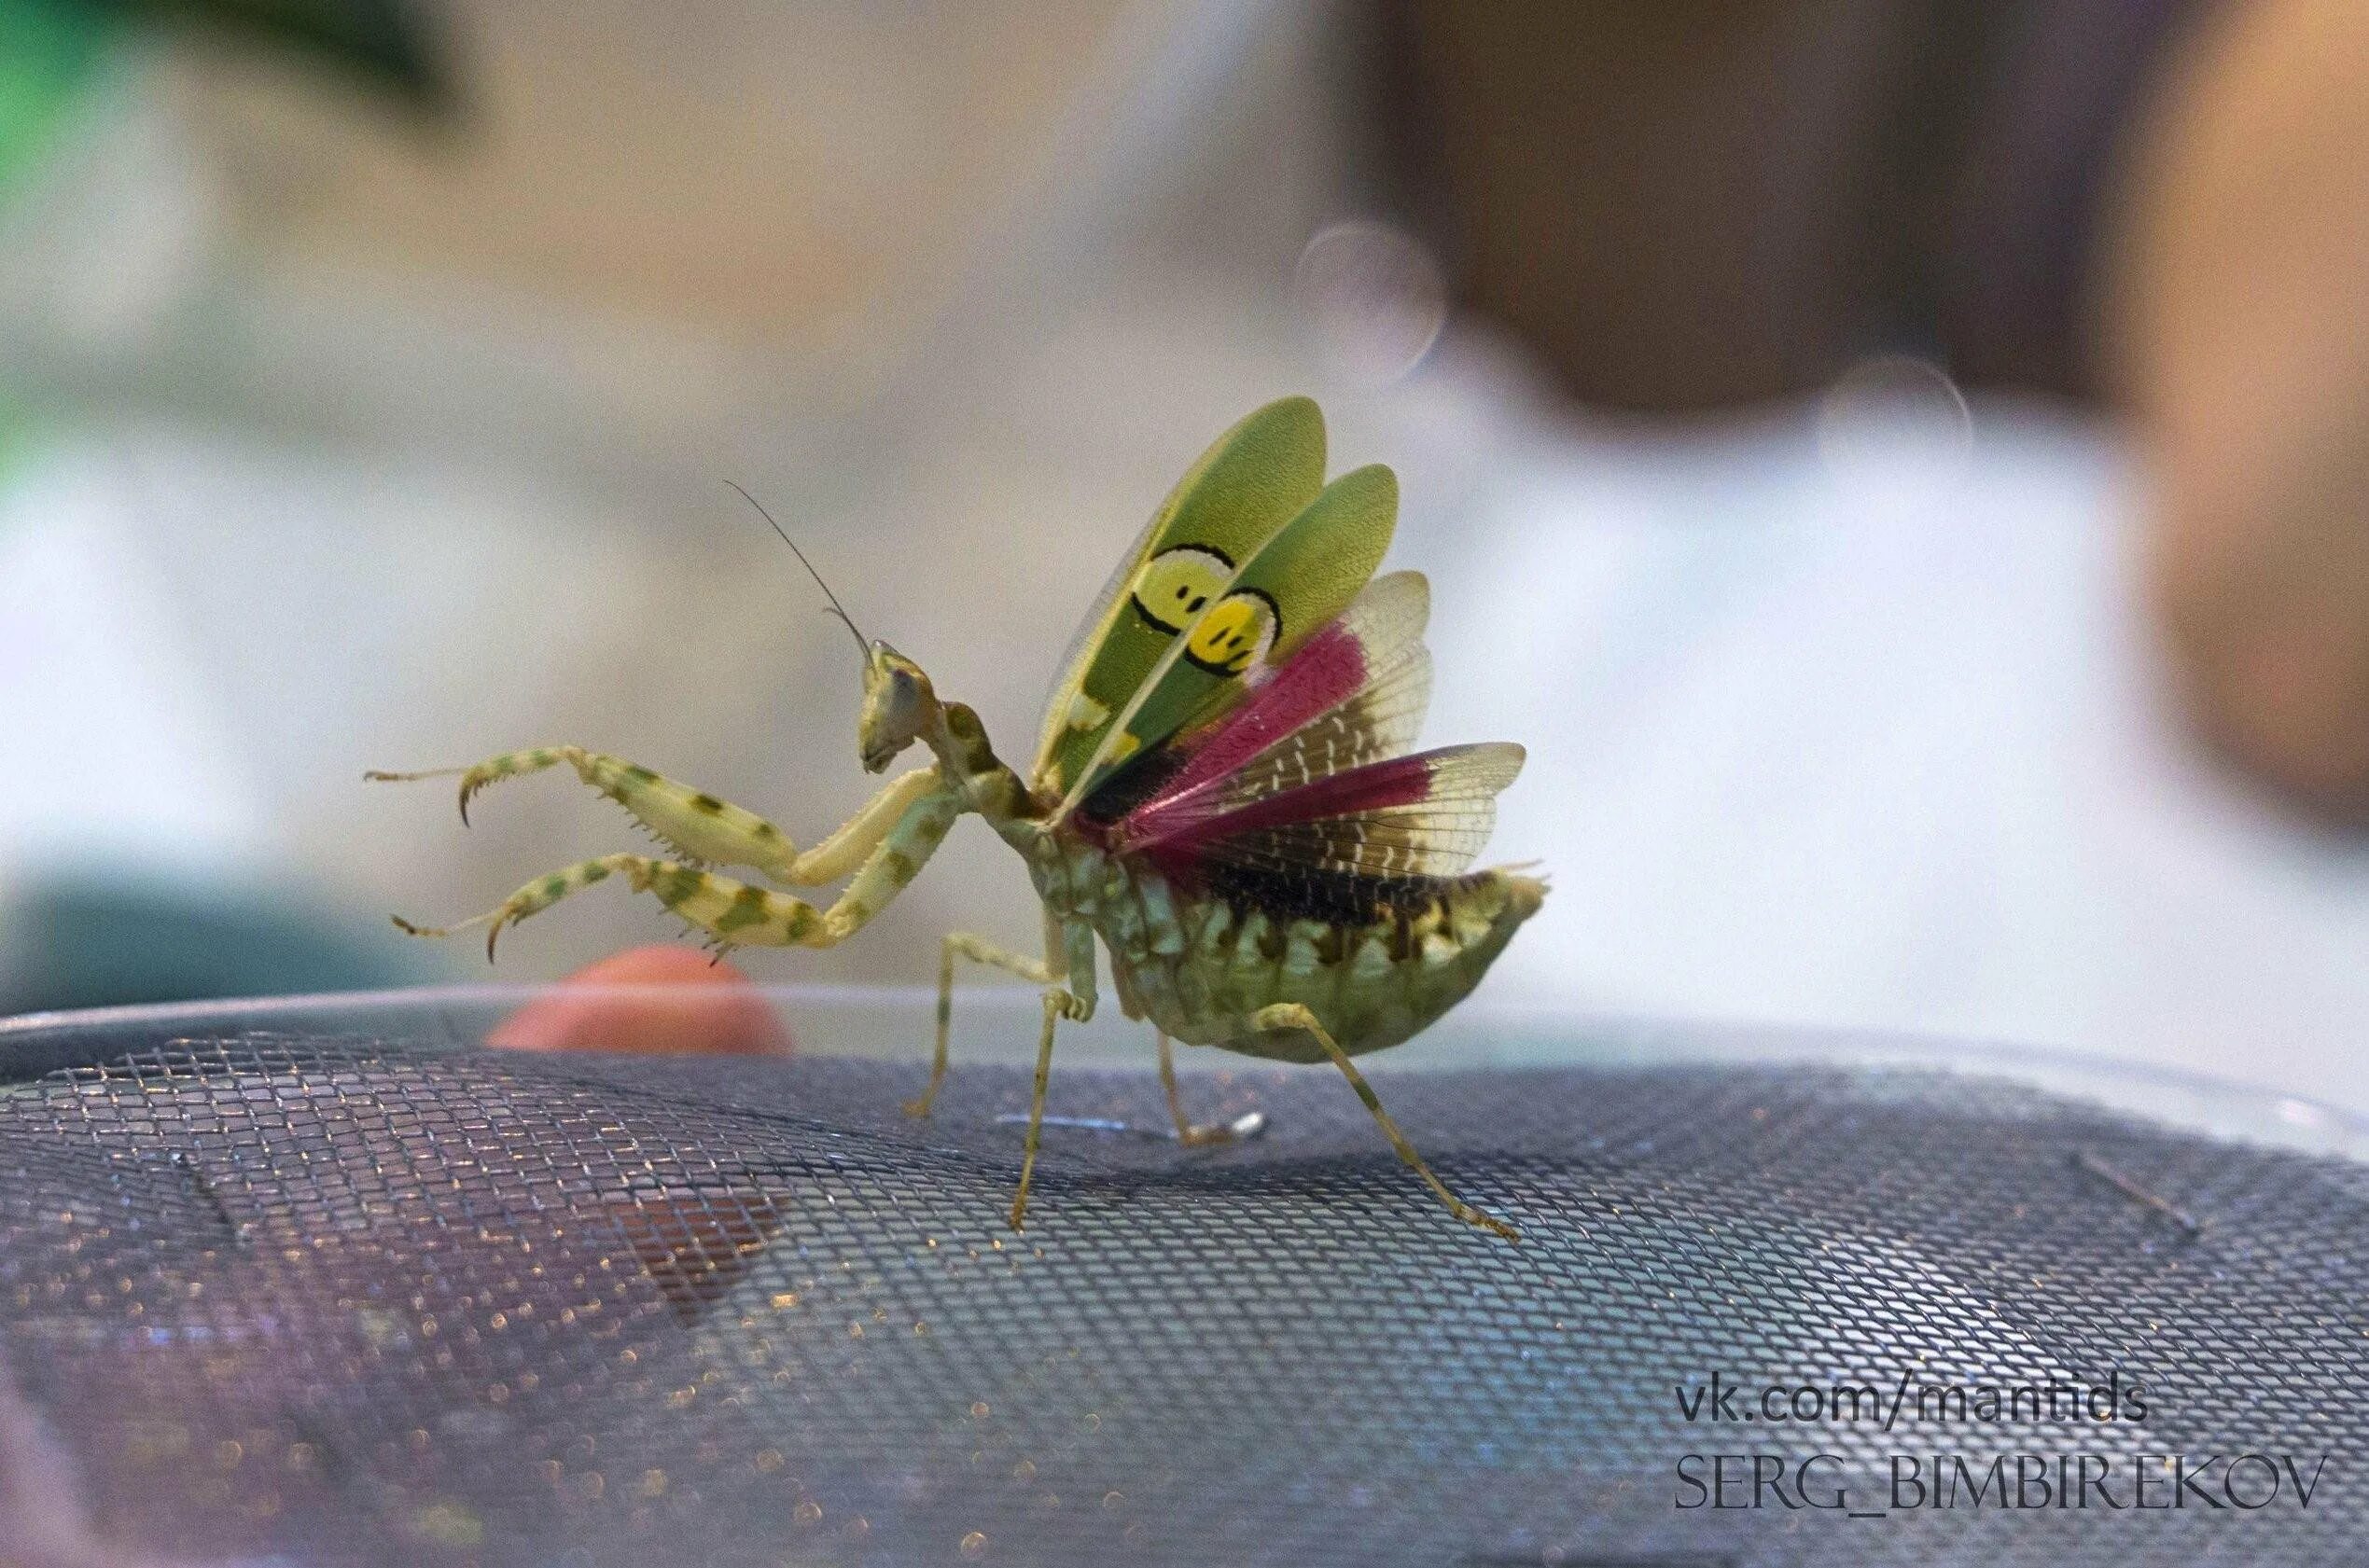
[1894, 430]
[1371, 298]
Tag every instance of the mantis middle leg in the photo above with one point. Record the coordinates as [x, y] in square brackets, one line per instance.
[963, 943]
[1074, 1003]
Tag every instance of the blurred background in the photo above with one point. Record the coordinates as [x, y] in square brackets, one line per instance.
[1896, 462]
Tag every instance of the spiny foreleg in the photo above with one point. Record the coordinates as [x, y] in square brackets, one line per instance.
[697, 826]
[1294, 1015]
[734, 913]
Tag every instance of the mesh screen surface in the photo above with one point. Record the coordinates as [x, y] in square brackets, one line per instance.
[298, 1297]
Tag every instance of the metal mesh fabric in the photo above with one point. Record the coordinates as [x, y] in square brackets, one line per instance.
[303, 1298]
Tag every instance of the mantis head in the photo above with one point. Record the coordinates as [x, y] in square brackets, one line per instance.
[900, 706]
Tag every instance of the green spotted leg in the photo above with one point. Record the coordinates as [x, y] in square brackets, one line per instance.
[1188, 1134]
[1294, 1015]
[962, 944]
[697, 826]
[734, 913]
[1059, 1005]
[1074, 1003]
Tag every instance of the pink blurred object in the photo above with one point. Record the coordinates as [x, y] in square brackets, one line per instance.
[654, 1000]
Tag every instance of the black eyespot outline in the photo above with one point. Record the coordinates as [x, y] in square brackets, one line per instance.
[1136, 598]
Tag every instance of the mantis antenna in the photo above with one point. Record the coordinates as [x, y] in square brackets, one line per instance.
[836, 607]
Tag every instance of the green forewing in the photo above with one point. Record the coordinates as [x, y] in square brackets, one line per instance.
[1252, 481]
[1307, 574]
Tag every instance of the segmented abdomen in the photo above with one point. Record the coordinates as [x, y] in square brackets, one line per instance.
[1200, 964]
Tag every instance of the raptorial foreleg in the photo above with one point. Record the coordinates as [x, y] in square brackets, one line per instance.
[734, 913]
[698, 825]
[1294, 1015]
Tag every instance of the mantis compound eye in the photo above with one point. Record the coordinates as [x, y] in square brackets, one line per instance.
[900, 699]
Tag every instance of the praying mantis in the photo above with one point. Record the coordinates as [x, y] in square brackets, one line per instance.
[1223, 794]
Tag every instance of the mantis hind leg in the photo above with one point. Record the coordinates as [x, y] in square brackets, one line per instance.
[1190, 1136]
[1294, 1015]
[962, 944]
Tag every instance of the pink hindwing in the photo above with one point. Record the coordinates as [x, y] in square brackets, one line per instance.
[1353, 693]
[1425, 816]
[1300, 797]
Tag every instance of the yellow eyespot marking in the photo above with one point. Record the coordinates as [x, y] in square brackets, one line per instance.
[1085, 712]
[1241, 628]
[1125, 747]
[1178, 584]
